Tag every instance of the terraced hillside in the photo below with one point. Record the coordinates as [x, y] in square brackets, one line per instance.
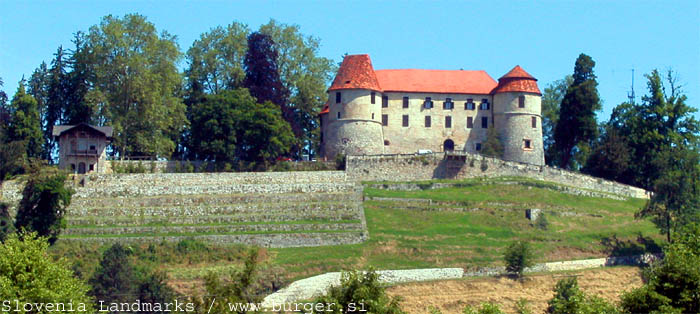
[287, 209]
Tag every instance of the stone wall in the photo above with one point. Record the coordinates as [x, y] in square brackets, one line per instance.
[414, 167]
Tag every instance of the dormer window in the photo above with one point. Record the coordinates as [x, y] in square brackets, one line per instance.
[448, 104]
[428, 103]
[469, 105]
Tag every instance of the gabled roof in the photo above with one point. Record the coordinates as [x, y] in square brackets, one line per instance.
[517, 80]
[436, 81]
[355, 72]
[60, 129]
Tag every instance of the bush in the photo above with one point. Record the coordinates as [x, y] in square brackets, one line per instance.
[486, 308]
[6, 227]
[340, 160]
[29, 275]
[568, 298]
[44, 201]
[541, 222]
[518, 257]
[362, 292]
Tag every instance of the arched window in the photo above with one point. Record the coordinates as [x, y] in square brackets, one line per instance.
[81, 168]
[448, 145]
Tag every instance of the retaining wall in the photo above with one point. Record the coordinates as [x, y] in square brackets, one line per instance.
[414, 167]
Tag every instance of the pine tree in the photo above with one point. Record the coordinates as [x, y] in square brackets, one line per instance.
[577, 126]
[25, 122]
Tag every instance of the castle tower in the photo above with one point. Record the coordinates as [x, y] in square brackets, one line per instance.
[517, 114]
[351, 124]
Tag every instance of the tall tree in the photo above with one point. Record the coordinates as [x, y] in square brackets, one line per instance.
[135, 84]
[262, 77]
[611, 157]
[305, 75]
[77, 108]
[115, 279]
[25, 122]
[577, 126]
[551, 100]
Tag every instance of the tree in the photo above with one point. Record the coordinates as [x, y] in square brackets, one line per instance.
[486, 308]
[673, 284]
[611, 157]
[493, 146]
[214, 125]
[25, 122]
[44, 201]
[551, 100]
[568, 298]
[359, 292]
[240, 288]
[6, 227]
[518, 256]
[262, 76]
[29, 274]
[115, 279]
[305, 75]
[77, 108]
[577, 126]
[135, 84]
[263, 134]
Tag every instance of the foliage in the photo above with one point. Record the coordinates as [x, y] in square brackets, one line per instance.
[486, 308]
[262, 76]
[568, 298]
[542, 223]
[522, 306]
[518, 256]
[493, 146]
[135, 82]
[577, 126]
[340, 161]
[28, 274]
[25, 122]
[239, 288]
[360, 291]
[12, 158]
[551, 100]
[44, 201]
[131, 167]
[6, 227]
[611, 157]
[115, 279]
[230, 127]
[304, 75]
[673, 284]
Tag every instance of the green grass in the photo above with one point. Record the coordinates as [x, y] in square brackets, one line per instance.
[415, 238]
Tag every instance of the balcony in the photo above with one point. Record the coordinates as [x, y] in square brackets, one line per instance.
[83, 152]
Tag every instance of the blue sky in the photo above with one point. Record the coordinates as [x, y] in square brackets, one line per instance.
[544, 37]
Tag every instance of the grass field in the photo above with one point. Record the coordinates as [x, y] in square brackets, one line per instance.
[468, 225]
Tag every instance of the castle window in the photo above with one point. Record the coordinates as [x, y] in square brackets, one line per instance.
[321, 137]
[337, 97]
[372, 115]
[448, 122]
[338, 114]
[387, 143]
[484, 122]
[527, 144]
[405, 101]
[448, 104]
[478, 146]
[385, 101]
[469, 105]
[404, 121]
[92, 167]
[385, 119]
[428, 103]
[521, 102]
[484, 104]
[427, 121]
[373, 94]
[470, 122]
[534, 122]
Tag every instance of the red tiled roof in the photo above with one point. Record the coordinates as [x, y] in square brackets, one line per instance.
[436, 81]
[517, 80]
[355, 72]
[325, 110]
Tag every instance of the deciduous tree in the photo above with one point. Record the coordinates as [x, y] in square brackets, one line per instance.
[551, 101]
[25, 122]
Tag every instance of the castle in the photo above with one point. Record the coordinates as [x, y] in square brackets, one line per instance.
[373, 112]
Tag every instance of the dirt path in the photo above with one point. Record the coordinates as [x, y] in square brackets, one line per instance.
[451, 296]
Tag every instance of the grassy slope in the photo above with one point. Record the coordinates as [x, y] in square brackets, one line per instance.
[410, 238]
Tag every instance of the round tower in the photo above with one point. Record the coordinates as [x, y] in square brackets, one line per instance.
[351, 124]
[517, 114]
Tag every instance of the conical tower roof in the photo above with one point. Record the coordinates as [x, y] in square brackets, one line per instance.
[356, 72]
[517, 80]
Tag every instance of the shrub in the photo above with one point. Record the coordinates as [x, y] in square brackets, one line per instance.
[522, 306]
[486, 308]
[44, 201]
[568, 298]
[541, 222]
[518, 257]
[29, 275]
[6, 227]
[340, 160]
[362, 292]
